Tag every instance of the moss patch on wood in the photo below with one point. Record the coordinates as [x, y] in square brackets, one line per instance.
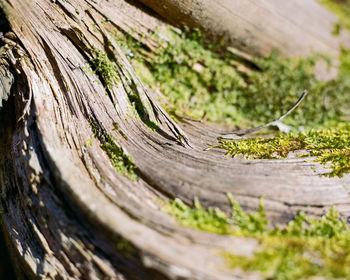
[202, 82]
[121, 162]
[214, 220]
[304, 248]
[329, 146]
[105, 67]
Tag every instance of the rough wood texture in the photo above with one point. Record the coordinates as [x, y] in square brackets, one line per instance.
[297, 27]
[67, 213]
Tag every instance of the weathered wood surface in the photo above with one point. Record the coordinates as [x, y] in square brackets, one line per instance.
[298, 27]
[67, 213]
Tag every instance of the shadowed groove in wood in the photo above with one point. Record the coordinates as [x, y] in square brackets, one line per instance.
[66, 209]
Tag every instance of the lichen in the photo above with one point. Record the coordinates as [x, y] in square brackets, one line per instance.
[327, 145]
[305, 247]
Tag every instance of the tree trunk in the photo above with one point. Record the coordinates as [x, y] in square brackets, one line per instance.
[67, 213]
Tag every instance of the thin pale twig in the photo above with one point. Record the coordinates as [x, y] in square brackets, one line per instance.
[236, 134]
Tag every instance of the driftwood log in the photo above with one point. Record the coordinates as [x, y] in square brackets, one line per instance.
[67, 214]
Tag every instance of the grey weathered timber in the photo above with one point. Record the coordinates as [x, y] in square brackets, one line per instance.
[6, 77]
[298, 27]
[67, 213]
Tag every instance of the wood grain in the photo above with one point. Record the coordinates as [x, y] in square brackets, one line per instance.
[67, 212]
[295, 28]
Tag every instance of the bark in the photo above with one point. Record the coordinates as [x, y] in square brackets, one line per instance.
[67, 213]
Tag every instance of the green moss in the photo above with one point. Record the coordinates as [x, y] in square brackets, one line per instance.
[271, 92]
[305, 247]
[200, 82]
[344, 67]
[152, 125]
[141, 111]
[211, 220]
[121, 162]
[108, 71]
[214, 220]
[342, 9]
[116, 128]
[124, 246]
[104, 67]
[327, 145]
[88, 142]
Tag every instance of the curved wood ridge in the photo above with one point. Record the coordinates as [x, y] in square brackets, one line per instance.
[258, 27]
[67, 212]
